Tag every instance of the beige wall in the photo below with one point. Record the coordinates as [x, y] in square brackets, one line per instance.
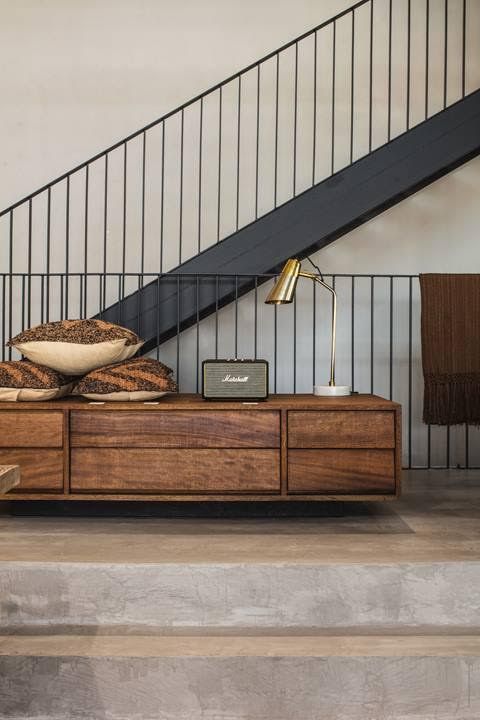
[77, 75]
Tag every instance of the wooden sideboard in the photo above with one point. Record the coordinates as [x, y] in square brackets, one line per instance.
[290, 447]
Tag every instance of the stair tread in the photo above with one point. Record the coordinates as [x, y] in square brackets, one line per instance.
[241, 646]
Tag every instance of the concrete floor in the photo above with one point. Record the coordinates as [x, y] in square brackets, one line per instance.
[374, 615]
[436, 520]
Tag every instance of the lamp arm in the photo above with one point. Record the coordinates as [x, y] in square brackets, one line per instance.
[316, 278]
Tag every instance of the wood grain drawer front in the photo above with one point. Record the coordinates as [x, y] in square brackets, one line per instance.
[341, 472]
[167, 429]
[341, 429]
[39, 469]
[31, 429]
[174, 471]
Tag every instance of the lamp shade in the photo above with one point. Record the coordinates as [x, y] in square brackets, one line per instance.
[284, 289]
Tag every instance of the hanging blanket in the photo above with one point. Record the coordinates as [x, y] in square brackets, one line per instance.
[451, 348]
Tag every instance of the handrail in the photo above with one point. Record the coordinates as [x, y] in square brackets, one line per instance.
[184, 105]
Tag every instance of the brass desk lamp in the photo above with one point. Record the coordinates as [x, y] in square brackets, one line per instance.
[283, 292]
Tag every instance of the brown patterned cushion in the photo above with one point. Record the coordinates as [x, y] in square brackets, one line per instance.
[75, 347]
[23, 380]
[138, 379]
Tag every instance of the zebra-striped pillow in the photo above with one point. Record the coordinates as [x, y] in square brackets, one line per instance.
[138, 379]
[22, 380]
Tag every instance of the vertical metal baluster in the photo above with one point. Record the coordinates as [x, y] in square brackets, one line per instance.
[124, 236]
[239, 103]
[275, 346]
[445, 56]
[370, 83]
[42, 298]
[139, 302]
[255, 319]
[275, 171]
[314, 334]
[219, 188]
[10, 281]
[157, 292]
[85, 251]
[447, 454]
[314, 139]
[142, 250]
[236, 316]
[67, 250]
[372, 330]
[23, 302]
[389, 122]
[427, 53]
[119, 295]
[178, 331]
[390, 340]
[162, 198]
[333, 98]
[464, 37]
[352, 338]
[180, 230]
[49, 227]
[352, 88]
[216, 315]
[62, 297]
[295, 343]
[409, 33]
[295, 120]
[197, 345]
[257, 148]
[200, 144]
[105, 228]
[429, 446]
[4, 336]
[467, 447]
[410, 369]
[29, 263]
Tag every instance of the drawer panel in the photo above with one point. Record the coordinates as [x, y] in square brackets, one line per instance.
[39, 469]
[341, 429]
[31, 429]
[171, 429]
[174, 471]
[341, 472]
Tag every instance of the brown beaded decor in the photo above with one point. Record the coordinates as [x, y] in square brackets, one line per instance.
[83, 332]
[135, 375]
[26, 374]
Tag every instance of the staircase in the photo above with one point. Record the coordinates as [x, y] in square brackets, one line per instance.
[278, 160]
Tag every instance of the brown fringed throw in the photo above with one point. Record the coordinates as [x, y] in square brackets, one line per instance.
[451, 348]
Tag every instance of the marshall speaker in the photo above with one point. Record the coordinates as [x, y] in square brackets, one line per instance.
[235, 379]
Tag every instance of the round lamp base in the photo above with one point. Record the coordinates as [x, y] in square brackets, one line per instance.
[331, 390]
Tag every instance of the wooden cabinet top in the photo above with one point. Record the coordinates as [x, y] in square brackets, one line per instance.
[185, 401]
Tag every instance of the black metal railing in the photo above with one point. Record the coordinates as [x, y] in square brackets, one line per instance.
[378, 338]
[248, 144]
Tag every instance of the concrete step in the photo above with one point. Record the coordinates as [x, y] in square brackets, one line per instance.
[149, 596]
[295, 677]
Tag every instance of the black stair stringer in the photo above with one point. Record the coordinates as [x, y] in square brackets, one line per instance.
[308, 222]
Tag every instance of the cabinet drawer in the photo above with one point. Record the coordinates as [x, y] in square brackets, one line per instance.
[39, 469]
[341, 472]
[31, 429]
[175, 471]
[341, 429]
[182, 429]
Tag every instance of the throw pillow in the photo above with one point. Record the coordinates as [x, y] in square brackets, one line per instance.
[74, 347]
[21, 380]
[138, 379]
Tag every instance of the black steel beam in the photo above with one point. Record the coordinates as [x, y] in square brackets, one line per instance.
[305, 224]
